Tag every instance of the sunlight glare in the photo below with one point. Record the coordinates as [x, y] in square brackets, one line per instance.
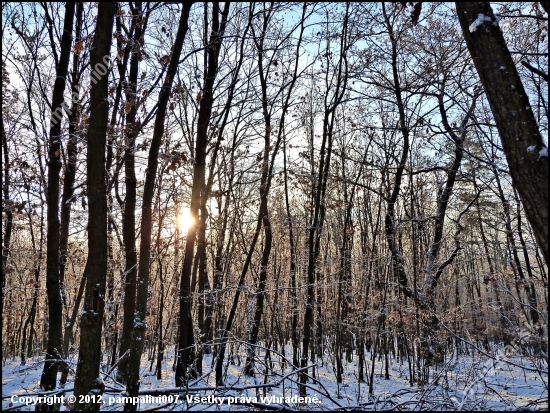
[184, 219]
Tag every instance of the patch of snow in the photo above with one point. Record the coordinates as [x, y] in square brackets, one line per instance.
[543, 153]
[467, 385]
[479, 21]
[531, 148]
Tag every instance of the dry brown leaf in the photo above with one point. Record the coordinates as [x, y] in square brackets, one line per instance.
[129, 105]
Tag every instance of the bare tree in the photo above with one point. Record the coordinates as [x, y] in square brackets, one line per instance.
[53, 286]
[87, 381]
[185, 356]
[142, 292]
[139, 24]
[331, 103]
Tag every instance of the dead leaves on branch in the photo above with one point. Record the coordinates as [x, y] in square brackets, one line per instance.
[174, 159]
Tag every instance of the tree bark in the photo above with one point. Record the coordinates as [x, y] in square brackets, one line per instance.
[70, 177]
[398, 262]
[6, 239]
[88, 381]
[53, 288]
[315, 229]
[129, 217]
[186, 340]
[521, 139]
[138, 335]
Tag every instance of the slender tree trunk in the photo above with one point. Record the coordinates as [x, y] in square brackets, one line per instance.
[430, 339]
[515, 262]
[530, 288]
[6, 239]
[70, 177]
[138, 333]
[69, 329]
[293, 291]
[263, 213]
[129, 215]
[444, 195]
[53, 288]
[215, 296]
[398, 263]
[316, 226]
[26, 346]
[267, 174]
[160, 343]
[185, 357]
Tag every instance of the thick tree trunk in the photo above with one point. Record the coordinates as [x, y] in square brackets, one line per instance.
[521, 139]
[88, 381]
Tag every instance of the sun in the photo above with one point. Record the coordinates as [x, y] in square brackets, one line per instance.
[184, 219]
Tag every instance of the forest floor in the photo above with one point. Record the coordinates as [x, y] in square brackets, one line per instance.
[463, 383]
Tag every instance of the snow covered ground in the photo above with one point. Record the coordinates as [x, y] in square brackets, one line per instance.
[466, 383]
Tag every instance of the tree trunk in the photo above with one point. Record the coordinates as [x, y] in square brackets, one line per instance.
[142, 293]
[397, 259]
[293, 292]
[70, 177]
[129, 215]
[9, 215]
[88, 381]
[515, 262]
[55, 306]
[316, 226]
[185, 357]
[521, 139]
